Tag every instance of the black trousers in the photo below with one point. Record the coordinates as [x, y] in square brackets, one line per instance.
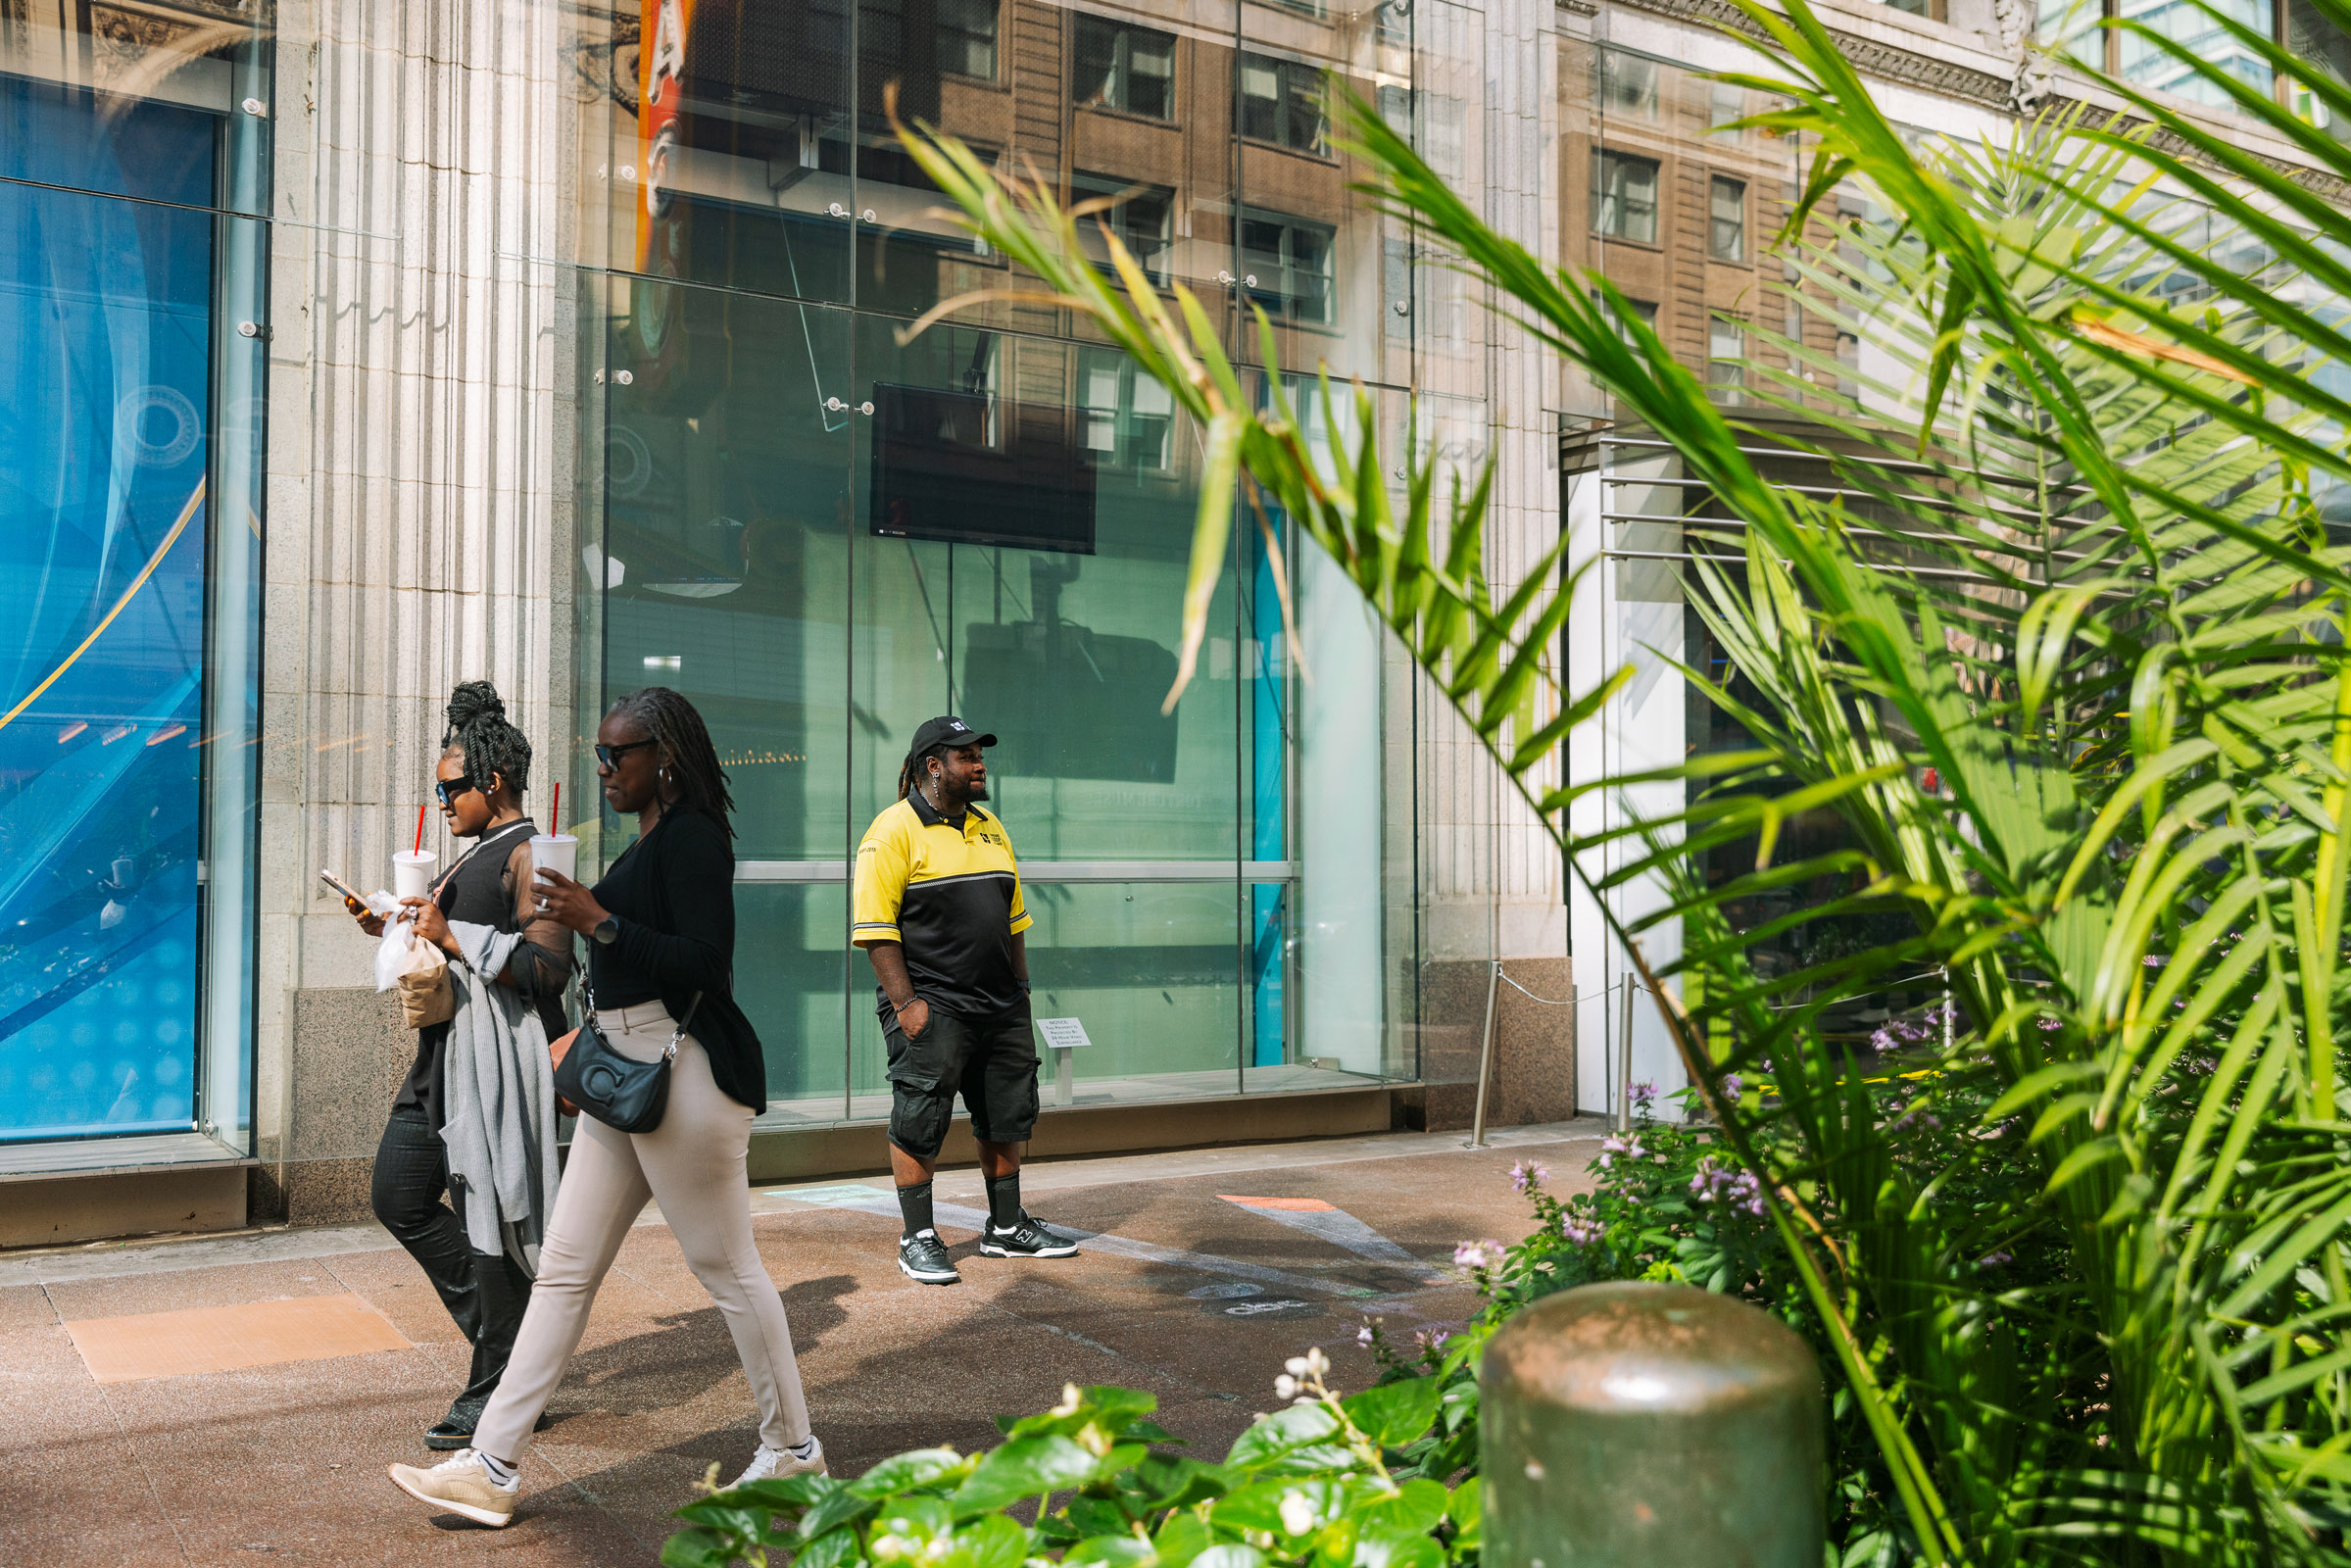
[485, 1295]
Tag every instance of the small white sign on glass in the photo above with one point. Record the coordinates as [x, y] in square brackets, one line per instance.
[1061, 1037]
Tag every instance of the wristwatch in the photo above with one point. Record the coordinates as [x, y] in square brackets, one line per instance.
[608, 930]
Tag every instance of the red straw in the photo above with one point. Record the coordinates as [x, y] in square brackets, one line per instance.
[555, 813]
[419, 830]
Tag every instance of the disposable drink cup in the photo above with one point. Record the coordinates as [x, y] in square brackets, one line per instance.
[557, 851]
[412, 874]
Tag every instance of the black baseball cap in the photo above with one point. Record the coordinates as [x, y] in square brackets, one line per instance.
[946, 730]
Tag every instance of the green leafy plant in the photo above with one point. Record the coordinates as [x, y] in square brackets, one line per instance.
[2074, 563]
[1319, 1484]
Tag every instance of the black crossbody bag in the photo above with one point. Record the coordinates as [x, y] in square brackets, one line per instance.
[625, 1094]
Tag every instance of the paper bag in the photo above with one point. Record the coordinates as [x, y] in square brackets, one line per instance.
[425, 997]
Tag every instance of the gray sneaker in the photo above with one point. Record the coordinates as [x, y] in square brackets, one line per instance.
[925, 1259]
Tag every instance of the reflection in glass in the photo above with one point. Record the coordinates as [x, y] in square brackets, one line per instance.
[1289, 261]
[1623, 197]
[2198, 29]
[1727, 218]
[1625, 84]
[1125, 67]
[1282, 102]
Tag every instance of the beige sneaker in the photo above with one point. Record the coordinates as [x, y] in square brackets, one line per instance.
[773, 1464]
[461, 1484]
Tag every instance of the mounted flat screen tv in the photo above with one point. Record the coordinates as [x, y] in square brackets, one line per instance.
[974, 468]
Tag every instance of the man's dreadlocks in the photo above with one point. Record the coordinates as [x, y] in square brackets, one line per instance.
[911, 771]
[699, 782]
[478, 731]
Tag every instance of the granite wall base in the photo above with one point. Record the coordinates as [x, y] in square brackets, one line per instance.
[1534, 1045]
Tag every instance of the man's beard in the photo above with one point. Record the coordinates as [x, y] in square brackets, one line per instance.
[979, 791]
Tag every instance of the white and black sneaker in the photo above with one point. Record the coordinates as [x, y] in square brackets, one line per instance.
[1028, 1239]
[925, 1259]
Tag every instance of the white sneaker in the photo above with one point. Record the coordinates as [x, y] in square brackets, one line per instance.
[463, 1485]
[773, 1464]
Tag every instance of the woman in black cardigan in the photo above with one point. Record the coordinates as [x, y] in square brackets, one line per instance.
[661, 958]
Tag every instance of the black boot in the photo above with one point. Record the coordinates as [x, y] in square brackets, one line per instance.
[455, 1429]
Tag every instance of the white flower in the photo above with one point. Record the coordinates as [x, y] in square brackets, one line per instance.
[1070, 1401]
[1284, 1386]
[1298, 1513]
[1317, 1363]
[1296, 1366]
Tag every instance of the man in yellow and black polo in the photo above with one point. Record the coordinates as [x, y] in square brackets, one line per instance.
[937, 909]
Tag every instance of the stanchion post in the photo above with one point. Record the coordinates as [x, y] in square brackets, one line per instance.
[1624, 1062]
[1477, 1136]
[1630, 1425]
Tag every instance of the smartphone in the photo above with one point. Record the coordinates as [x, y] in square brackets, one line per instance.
[340, 886]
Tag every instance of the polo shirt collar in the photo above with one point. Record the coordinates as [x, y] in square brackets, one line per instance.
[928, 818]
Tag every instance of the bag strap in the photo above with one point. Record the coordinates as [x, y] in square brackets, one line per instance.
[669, 1053]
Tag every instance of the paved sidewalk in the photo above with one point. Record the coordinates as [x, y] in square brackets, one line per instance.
[260, 1444]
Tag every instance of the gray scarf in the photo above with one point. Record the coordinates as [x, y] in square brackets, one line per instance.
[498, 1103]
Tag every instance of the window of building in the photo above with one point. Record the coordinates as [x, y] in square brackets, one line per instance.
[2142, 59]
[1130, 418]
[1645, 310]
[1291, 260]
[1624, 84]
[1623, 197]
[1726, 351]
[968, 37]
[1131, 70]
[1726, 104]
[1143, 218]
[1849, 363]
[1282, 102]
[1727, 218]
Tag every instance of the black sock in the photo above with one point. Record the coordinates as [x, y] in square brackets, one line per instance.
[915, 1203]
[1004, 1200]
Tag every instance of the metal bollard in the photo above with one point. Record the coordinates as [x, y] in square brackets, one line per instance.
[1650, 1426]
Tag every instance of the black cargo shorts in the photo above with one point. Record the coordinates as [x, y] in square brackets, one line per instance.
[991, 1062]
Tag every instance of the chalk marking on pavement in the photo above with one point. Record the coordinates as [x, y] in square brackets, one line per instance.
[1330, 1223]
[875, 1201]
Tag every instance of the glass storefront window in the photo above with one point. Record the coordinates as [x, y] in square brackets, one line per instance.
[824, 532]
[131, 354]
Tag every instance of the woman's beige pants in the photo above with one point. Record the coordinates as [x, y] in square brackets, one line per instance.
[693, 1166]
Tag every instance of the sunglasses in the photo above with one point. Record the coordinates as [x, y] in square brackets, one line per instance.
[609, 755]
[449, 789]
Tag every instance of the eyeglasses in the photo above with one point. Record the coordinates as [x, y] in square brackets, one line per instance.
[609, 755]
[449, 789]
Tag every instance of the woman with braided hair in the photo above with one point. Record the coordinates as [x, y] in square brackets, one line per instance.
[475, 1117]
[661, 969]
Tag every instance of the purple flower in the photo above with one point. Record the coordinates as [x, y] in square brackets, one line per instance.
[1645, 1096]
[1733, 1086]
[1581, 1230]
[1994, 1259]
[1478, 1255]
[1526, 1173]
[1363, 1336]
[1719, 1182]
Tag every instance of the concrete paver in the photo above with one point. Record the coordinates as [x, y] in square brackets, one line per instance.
[283, 1463]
